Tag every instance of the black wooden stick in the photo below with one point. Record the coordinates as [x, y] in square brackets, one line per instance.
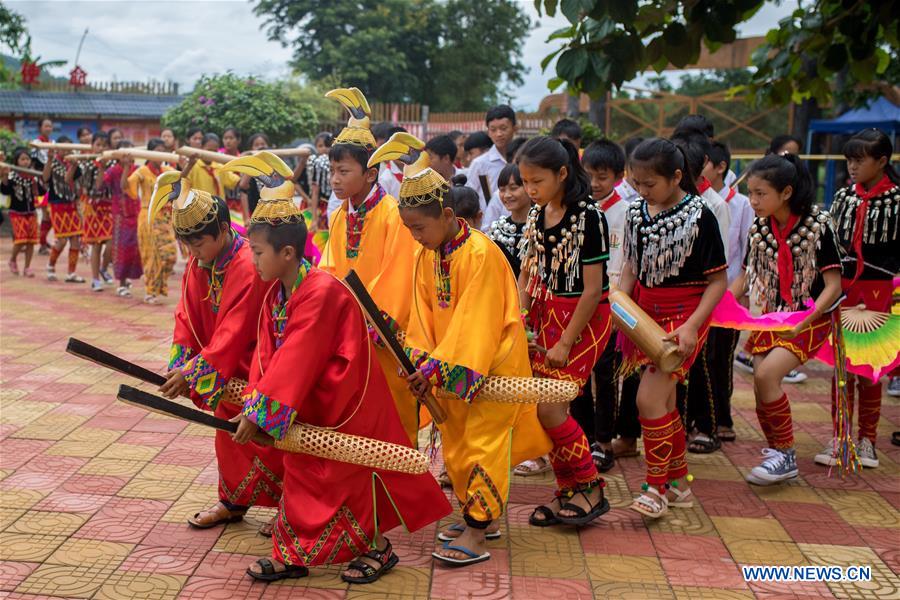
[111, 361]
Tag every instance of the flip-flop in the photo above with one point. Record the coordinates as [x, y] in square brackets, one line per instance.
[270, 574]
[232, 517]
[474, 557]
[495, 535]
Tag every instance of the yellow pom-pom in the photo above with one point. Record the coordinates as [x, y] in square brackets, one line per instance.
[842, 383]
[689, 478]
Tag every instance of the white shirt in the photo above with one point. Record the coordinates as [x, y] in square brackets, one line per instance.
[388, 178]
[741, 218]
[615, 222]
[489, 164]
[495, 210]
[626, 192]
[723, 215]
[334, 203]
[730, 178]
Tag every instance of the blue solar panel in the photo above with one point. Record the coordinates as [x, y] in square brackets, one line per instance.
[18, 102]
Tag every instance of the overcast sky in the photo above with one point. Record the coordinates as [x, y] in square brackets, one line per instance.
[141, 40]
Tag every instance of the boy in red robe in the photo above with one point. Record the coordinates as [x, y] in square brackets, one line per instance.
[315, 364]
[214, 340]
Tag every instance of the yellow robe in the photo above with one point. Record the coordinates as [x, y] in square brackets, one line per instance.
[216, 182]
[156, 241]
[384, 265]
[479, 333]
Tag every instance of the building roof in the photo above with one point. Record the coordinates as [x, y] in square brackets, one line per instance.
[71, 104]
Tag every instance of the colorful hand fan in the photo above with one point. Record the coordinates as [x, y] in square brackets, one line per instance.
[237, 222]
[871, 340]
[730, 314]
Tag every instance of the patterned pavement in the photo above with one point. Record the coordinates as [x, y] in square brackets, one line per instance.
[94, 494]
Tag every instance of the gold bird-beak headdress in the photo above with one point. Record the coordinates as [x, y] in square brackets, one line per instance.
[421, 184]
[276, 198]
[192, 210]
[358, 130]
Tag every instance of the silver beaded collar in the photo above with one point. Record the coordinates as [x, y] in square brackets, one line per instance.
[665, 240]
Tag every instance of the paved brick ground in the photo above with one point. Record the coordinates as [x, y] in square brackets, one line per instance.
[94, 494]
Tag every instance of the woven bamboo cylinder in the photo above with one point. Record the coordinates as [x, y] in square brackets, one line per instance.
[522, 390]
[353, 449]
[644, 332]
[343, 447]
[207, 155]
[79, 156]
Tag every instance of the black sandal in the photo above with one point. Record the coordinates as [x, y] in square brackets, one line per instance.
[270, 574]
[583, 517]
[545, 511]
[726, 434]
[704, 444]
[895, 438]
[604, 460]
[385, 558]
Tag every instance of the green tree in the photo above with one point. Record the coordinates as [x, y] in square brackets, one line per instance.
[422, 51]
[850, 43]
[609, 42]
[247, 103]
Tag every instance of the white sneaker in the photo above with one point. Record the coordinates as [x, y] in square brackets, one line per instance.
[795, 376]
[74, 278]
[51, 274]
[778, 466]
[866, 452]
[894, 386]
[743, 362]
[96, 285]
[826, 456]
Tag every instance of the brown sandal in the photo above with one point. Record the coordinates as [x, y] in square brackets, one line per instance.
[217, 515]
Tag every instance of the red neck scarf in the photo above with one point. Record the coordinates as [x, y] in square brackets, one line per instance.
[785, 257]
[859, 225]
[43, 138]
[703, 185]
[610, 201]
[154, 169]
[731, 193]
[212, 173]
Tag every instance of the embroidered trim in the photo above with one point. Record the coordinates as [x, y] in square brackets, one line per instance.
[658, 246]
[179, 355]
[260, 484]
[217, 272]
[456, 379]
[478, 472]
[442, 263]
[356, 220]
[279, 309]
[204, 380]
[762, 260]
[308, 558]
[272, 416]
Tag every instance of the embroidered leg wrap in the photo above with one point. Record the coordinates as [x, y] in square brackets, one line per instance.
[868, 408]
[677, 464]
[571, 456]
[73, 259]
[659, 448]
[54, 256]
[777, 425]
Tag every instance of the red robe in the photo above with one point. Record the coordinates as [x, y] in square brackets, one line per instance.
[214, 341]
[317, 374]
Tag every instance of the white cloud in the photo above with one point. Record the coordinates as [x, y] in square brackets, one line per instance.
[138, 40]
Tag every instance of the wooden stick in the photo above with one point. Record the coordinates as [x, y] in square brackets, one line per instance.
[103, 358]
[58, 146]
[283, 151]
[373, 314]
[145, 154]
[6, 165]
[208, 156]
[78, 156]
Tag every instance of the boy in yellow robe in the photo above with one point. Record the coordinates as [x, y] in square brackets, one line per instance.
[209, 177]
[465, 325]
[366, 235]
